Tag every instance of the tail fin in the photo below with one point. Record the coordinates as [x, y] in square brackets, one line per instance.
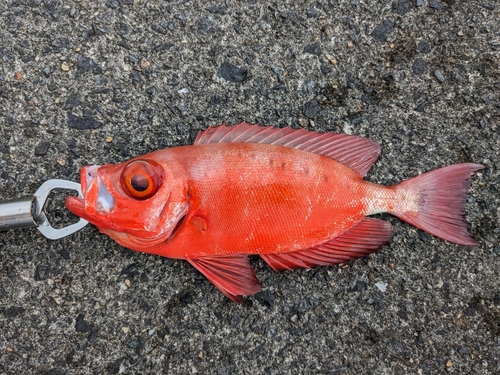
[435, 202]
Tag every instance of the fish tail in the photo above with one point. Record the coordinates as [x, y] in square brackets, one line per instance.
[435, 202]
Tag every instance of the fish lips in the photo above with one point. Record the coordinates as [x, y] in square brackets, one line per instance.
[76, 205]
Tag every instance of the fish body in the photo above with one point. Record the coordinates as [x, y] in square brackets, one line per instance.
[296, 198]
[261, 199]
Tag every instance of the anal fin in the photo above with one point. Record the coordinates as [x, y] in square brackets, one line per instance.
[231, 274]
[364, 238]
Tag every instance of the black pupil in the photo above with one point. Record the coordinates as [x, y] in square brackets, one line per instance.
[139, 182]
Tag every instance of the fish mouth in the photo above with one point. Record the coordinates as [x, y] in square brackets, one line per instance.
[76, 205]
[88, 178]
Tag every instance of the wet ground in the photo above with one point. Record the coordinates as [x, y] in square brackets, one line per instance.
[104, 81]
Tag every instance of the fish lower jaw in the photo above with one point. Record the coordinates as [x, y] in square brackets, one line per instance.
[76, 205]
[133, 241]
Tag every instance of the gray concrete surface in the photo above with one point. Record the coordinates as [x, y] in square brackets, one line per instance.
[85, 82]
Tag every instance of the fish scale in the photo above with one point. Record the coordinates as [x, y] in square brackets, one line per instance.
[280, 197]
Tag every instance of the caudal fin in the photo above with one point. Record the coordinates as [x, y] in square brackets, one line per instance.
[435, 202]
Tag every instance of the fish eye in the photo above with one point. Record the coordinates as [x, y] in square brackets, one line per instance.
[141, 179]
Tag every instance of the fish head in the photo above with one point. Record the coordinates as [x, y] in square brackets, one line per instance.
[138, 203]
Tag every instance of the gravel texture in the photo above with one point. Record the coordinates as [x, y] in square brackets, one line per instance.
[85, 82]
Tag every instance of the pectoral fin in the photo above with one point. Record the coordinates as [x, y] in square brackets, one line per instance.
[231, 274]
[364, 238]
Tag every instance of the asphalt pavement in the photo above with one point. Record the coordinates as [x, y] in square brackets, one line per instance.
[84, 82]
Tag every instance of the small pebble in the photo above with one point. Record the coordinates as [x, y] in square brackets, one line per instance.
[125, 329]
[421, 107]
[64, 253]
[18, 76]
[449, 363]
[109, 139]
[232, 73]
[65, 66]
[403, 7]
[133, 344]
[332, 59]
[42, 148]
[439, 75]
[113, 4]
[463, 350]
[419, 3]
[145, 64]
[294, 318]
[311, 109]
[435, 4]
[382, 287]
[419, 66]
[424, 46]
[127, 282]
[382, 31]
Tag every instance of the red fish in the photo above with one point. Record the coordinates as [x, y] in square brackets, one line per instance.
[297, 198]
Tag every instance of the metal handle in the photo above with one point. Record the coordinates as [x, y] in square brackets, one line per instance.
[17, 214]
[28, 212]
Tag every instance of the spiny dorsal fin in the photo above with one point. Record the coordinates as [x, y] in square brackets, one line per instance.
[357, 153]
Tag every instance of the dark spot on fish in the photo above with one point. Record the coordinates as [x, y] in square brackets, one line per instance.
[283, 165]
[239, 154]
[271, 162]
[306, 170]
[325, 178]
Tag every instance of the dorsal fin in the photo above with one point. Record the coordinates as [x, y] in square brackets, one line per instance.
[357, 153]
